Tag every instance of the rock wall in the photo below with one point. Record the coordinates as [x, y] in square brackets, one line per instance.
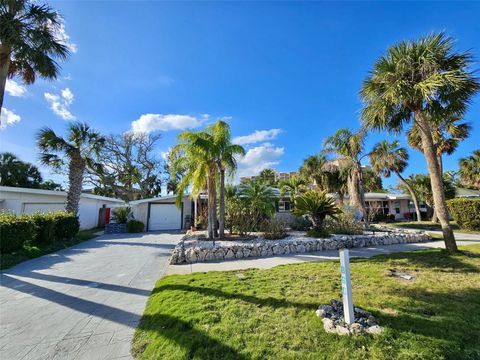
[201, 251]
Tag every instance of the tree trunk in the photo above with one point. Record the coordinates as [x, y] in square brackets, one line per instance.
[353, 190]
[4, 65]
[413, 195]
[362, 194]
[211, 205]
[76, 171]
[429, 150]
[221, 219]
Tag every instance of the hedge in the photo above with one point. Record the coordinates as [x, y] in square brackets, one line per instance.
[36, 229]
[135, 226]
[466, 212]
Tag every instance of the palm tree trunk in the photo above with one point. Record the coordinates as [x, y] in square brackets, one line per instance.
[413, 195]
[4, 66]
[221, 219]
[440, 165]
[211, 205]
[353, 190]
[362, 194]
[429, 150]
[76, 171]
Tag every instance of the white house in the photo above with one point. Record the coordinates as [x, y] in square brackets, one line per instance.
[161, 213]
[28, 201]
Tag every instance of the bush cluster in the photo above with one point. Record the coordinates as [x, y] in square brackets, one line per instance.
[300, 223]
[135, 226]
[466, 212]
[36, 229]
[343, 223]
[274, 229]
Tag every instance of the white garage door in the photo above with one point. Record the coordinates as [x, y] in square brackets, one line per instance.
[165, 217]
[30, 208]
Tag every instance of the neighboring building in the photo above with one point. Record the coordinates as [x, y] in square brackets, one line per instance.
[247, 178]
[28, 201]
[284, 176]
[467, 193]
[161, 213]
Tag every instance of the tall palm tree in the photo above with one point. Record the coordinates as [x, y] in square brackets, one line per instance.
[267, 176]
[29, 46]
[294, 186]
[313, 169]
[78, 150]
[226, 161]
[386, 158]
[413, 80]
[350, 146]
[470, 170]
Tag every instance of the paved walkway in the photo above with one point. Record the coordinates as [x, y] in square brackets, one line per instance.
[83, 302]
[269, 262]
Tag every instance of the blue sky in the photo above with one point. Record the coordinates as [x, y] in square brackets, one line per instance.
[288, 73]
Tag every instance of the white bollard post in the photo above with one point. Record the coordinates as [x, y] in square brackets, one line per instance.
[346, 287]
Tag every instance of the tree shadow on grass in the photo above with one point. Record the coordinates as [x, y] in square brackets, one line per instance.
[269, 301]
[196, 343]
[432, 258]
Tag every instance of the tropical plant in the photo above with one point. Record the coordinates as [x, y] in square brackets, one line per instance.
[77, 151]
[294, 186]
[16, 173]
[317, 206]
[29, 42]
[122, 215]
[267, 177]
[343, 223]
[417, 81]
[260, 198]
[470, 170]
[313, 169]
[386, 158]
[351, 146]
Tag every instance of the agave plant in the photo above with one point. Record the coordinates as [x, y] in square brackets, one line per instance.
[317, 206]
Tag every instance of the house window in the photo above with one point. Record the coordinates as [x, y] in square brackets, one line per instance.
[397, 207]
[284, 206]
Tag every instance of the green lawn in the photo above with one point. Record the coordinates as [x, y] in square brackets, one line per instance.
[31, 252]
[270, 314]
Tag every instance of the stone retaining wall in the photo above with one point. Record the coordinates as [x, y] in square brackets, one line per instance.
[191, 249]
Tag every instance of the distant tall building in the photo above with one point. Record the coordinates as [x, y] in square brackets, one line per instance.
[284, 176]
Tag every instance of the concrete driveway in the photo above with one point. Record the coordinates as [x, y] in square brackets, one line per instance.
[83, 302]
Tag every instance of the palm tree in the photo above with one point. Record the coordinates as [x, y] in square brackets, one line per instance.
[316, 205]
[226, 161]
[294, 186]
[78, 149]
[470, 170]
[29, 46]
[313, 169]
[260, 198]
[14, 172]
[386, 158]
[413, 80]
[350, 146]
[267, 176]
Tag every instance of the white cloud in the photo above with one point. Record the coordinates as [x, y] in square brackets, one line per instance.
[15, 89]
[8, 118]
[60, 103]
[257, 136]
[64, 38]
[258, 158]
[159, 122]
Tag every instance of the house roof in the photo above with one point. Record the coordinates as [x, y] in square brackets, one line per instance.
[467, 193]
[154, 199]
[55, 193]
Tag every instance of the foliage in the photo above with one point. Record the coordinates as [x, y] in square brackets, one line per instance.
[122, 215]
[135, 226]
[293, 186]
[470, 170]
[300, 223]
[466, 213]
[29, 42]
[133, 172]
[267, 177]
[239, 217]
[317, 206]
[211, 315]
[259, 197]
[372, 182]
[318, 233]
[343, 223]
[16, 173]
[274, 229]
[67, 225]
[51, 185]
[422, 187]
[15, 232]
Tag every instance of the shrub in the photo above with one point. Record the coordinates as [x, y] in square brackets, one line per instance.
[344, 223]
[274, 229]
[317, 233]
[317, 206]
[300, 223]
[15, 232]
[121, 215]
[45, 226]
[67, 225]
[466, 212]
[135, 226]
[55, 226]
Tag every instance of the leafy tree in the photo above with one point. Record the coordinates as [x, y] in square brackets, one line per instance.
[351, 146]
[16, 173]
[418, 81]
[372, 182]
[317, 206]
[294, 186]
[387, 158]
[51, 185]
[29, 45]
[470, 170]
[78, 150]
[313, 169]
[267, 177]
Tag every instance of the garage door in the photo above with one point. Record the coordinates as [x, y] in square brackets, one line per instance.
[165, 217]
[30, 208]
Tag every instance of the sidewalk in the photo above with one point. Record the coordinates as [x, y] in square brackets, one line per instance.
[269, 262]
